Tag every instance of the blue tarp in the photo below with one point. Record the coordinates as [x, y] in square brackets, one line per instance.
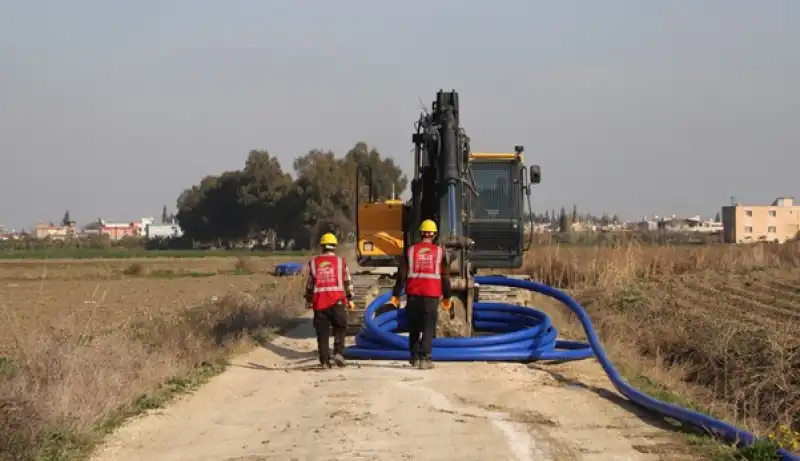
[290, 268]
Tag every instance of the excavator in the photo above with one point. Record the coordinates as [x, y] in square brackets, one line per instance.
[477, 200]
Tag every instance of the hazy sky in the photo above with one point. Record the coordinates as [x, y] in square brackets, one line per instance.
[111, 108]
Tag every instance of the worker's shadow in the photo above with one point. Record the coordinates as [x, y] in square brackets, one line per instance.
[643, 414]
[300, 330]
[289, 353]
[303, 359]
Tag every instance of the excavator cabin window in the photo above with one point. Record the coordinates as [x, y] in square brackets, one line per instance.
[493, 182]
[495, 221]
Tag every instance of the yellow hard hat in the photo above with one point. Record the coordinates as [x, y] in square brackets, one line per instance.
[428, 226]
[328, 240]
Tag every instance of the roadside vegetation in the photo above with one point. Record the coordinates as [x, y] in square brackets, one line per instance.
[714, 324]
[79, 356]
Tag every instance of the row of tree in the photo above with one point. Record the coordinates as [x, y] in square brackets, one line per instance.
[261, 201]
[264, 202]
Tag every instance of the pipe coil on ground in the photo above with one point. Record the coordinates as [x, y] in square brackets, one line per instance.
[524, 334]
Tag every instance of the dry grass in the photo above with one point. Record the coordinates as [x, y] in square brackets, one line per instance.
[70, 372]
[109, 269]
[609, 267]
[247, 265]
[716, 323]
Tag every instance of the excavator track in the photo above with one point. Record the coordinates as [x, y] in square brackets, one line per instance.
[508, 295]
[367, 285]
[453, 325]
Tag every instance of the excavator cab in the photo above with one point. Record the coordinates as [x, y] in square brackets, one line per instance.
[497, 218]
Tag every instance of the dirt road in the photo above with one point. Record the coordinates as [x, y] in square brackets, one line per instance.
[271, 406]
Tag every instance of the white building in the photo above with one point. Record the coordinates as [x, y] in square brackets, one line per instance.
[141, 226]
[676, 224]
[154, 231]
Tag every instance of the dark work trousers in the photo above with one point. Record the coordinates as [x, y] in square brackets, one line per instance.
[334, 317]
[421, 313]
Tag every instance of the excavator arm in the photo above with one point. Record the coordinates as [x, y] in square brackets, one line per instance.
[441, 191]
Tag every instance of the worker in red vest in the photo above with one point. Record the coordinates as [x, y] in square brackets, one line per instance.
[328, 291]
[427, 283]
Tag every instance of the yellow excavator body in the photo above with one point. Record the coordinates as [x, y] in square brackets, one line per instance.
[380, 233]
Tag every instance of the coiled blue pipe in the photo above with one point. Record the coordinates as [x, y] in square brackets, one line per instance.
[527, 335]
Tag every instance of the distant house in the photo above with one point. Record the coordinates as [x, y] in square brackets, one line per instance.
[542, 227]
[118, 231]
[778, 222]
[581, 226]
[144, 227]
[693, 224]
[647, 225]
[708, 226]
[92, 228]
[676, 224]
[43, 231]
[114, 230]
[154, 231]
[141, 226]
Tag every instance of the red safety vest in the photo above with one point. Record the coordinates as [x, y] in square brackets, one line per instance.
[425, 270]
[328, 274]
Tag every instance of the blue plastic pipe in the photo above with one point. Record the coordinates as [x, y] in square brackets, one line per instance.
[525, 334]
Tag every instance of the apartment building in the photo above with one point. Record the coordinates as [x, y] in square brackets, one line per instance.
[778, 222]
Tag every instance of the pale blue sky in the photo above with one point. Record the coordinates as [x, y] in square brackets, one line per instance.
[112, 108]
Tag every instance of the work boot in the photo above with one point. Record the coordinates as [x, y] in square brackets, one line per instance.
[425, 364]
[414, 362]
[325, 364]
[339, 360]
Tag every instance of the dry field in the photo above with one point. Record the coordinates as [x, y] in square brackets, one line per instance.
[114, 269]
[84, 344]
[712, 327]
[95, 295]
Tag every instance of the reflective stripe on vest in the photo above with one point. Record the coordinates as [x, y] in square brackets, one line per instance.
[324, 278]
[432, 269]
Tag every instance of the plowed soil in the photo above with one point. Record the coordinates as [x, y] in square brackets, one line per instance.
[95, 295]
